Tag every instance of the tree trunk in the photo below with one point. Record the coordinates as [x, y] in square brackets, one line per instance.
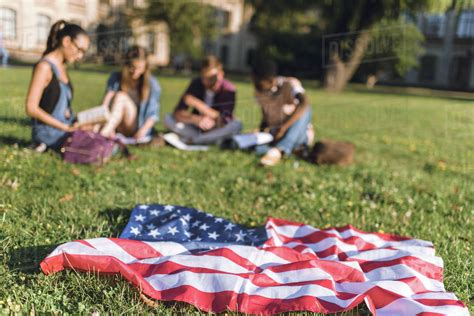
[339, 72]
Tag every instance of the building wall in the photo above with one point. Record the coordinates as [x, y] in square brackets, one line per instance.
[235, 40]
[27, 44]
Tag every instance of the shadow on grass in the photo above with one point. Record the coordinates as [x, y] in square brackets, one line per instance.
[12, 140]
[117, 219]
[28, 259]
[15, 120]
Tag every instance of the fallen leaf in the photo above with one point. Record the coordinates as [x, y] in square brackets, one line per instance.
[66, 198]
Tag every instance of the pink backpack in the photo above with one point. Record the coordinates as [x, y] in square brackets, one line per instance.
[84, 147]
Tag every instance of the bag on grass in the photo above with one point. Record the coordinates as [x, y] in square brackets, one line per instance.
[85, 147]
[331, 152]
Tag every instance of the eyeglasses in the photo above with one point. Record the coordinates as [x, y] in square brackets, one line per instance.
[80, 49]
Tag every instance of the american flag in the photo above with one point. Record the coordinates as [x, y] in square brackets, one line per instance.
[183, 254]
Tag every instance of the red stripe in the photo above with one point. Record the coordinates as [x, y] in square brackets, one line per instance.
[136, 248]
[439, 302]
[423, 267]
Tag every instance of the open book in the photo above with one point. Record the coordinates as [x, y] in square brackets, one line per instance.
[95, 115]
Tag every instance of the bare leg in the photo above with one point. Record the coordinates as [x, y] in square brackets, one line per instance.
[123, 116]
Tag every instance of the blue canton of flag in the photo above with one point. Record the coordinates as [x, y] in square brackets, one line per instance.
[156, 222]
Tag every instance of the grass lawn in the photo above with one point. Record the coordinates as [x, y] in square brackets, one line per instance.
[413, 176]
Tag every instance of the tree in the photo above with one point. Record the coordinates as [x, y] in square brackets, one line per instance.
[342, 30]
[189, 23]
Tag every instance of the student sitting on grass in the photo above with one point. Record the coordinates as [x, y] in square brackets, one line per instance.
[50, 93]
[286, 112]
[212, 100]
[133, 96]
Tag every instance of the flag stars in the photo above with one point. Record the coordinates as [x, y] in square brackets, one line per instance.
[204, 227]
[213, 235]
[135, 231]
[240, 236]
[154, 233]
[229, 226]
[187, 217]
[196, 224]
[183, 221]
[150, 226]
[154, 212]
[172, 230]
[140, 218]
[143, 207]
[187, 234]
[169, 208]
[219, 220]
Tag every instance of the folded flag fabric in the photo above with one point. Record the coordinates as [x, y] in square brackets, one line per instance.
[183, 254]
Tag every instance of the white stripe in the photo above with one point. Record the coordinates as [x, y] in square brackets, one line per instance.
[72, 247]
[216, 282]
[258, 257]
[218, 263]
[401, 271]
[406, 306]
[391, 254]
[293, 231]
[107, 247]
[167, 248]
[435, 295]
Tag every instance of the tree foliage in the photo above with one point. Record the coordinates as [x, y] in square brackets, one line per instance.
[299, 34]
[190, 23]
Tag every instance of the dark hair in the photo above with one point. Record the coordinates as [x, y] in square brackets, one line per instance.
[211, 61]
[264, 69]
[133, 53]
[60, 30]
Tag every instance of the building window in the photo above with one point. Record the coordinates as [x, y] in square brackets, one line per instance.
[43, 25]
[224, 54]
[434, 25]
[427, 69]
[222, 19]
[460, 71]
[249, 58]
[466, 25]
[8, 23]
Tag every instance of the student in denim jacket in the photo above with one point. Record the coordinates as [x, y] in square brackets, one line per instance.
[133, 97]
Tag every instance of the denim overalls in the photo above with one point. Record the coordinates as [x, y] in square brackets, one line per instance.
[49, 135]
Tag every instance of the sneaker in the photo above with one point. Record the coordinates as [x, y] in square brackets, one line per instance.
[41, 148]
[271, 158]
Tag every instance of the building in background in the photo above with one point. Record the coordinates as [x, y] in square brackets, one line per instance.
[448, 62]
[235, 44]
[26, 25]
[113, 27]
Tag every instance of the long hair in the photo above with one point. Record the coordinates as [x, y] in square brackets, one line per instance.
[136, 53]
[60, 30]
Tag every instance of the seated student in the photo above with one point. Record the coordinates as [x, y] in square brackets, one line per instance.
[286, 112]
[133, 96]
[50, 93]
[212, 100]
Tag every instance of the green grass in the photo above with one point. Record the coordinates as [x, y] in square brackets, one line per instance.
[413, 176]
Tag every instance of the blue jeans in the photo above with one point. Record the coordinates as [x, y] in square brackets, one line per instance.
[5, 55]
[295, 136]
